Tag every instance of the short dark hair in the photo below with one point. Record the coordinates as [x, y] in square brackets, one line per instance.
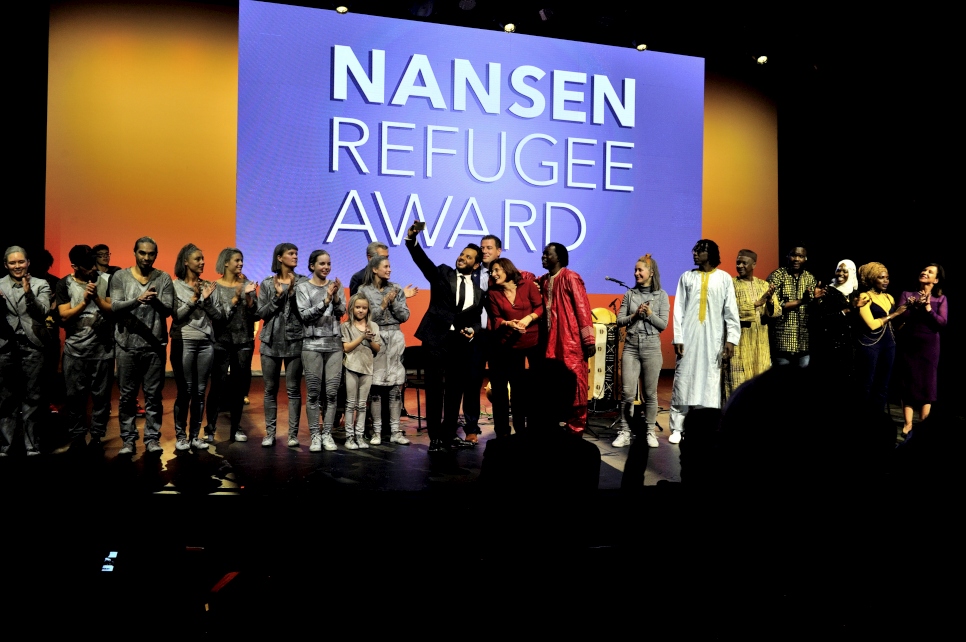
[475, 248]
[82, 256]
[563, 255]
[224, 256]
[512, 273]
[496, 240]
[100, 247]
[752, 255]
[709, 246]
[281, 249]
[145, 239]
[180, 270]
[315, 255]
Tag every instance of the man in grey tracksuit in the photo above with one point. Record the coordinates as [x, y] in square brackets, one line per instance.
[142, 299]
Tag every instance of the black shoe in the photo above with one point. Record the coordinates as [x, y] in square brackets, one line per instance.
[461, 443]
[437, 446]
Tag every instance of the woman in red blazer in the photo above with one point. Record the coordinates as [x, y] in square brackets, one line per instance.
[513, 307]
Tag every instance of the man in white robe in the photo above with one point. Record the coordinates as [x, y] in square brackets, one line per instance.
[706, 331]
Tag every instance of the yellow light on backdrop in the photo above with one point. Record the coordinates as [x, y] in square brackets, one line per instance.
[142, 126]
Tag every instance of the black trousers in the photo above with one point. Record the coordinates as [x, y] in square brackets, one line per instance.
[451, 381]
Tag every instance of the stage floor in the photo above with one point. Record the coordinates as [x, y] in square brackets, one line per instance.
[228, 467]
[243, 538]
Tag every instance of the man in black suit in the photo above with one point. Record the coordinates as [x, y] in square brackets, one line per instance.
[447, 331]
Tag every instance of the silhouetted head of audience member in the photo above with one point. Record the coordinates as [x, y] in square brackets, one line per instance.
[784, 431]
[546, 457]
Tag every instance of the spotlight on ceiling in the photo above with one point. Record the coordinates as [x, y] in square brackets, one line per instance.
[545, 14]
[422, 9]
[641, 47]
[509, 27]
[342, 9]
[762, 60]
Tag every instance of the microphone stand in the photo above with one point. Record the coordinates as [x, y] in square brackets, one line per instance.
[617, 378]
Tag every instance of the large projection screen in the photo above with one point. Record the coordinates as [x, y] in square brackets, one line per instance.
[142, 139]
[350, 127]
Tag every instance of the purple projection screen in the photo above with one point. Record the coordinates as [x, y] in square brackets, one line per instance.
[350, 127]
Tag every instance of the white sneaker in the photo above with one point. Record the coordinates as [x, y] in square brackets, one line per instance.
[293, 441]
[376, 439]
[675, 437]
[268, 441]
[361, 442]
[350, 443]
[183, 444]
[623, 439]
[240, 436]
[652, 440]
[328, 442]
[199, 444]
[316, 446]
[399, 438]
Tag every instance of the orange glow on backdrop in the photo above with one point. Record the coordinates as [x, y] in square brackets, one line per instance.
[141, 127]
[141, 140]
[740, 196]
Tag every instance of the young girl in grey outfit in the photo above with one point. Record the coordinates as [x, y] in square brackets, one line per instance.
[321, 304]
[387, 303]
[361, 341]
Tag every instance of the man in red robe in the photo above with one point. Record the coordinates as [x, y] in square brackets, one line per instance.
[569, 330]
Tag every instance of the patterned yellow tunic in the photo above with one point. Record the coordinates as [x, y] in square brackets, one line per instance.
[752, 355]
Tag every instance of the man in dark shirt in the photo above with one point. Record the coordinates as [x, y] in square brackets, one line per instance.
[102, 257]
[794, 288]
[85, 309]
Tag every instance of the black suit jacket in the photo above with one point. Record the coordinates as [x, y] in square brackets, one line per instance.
[356, 281]
[442, 312]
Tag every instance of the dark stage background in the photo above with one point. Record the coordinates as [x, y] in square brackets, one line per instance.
[869, 154]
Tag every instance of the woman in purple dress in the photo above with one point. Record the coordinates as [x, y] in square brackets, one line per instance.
[926, 314]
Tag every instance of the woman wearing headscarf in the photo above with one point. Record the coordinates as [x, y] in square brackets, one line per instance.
[830, 323]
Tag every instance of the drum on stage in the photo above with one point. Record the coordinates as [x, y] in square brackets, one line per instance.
[603, 365]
